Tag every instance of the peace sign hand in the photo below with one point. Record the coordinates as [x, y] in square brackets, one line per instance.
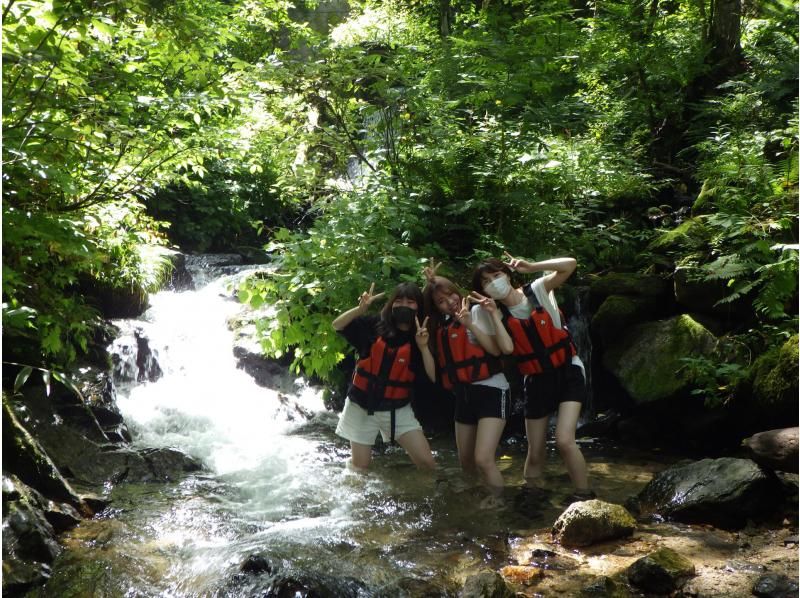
[367, 298]
[423, 335]
[487, 303]
[463, 315]
[512, 263]
[429, 271]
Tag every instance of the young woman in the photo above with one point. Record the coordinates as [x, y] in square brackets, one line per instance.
[554, 379]
[392, 351]
[468, 343]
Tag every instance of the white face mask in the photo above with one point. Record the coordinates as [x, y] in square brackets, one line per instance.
[499, 288]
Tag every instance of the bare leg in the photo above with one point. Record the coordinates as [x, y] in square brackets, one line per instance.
[418, 449]
[536, 430]
[361, 456]
[465, 442]
[568, 413]
[488, 437]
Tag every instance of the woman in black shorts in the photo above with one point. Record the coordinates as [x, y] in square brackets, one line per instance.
[554, 379]
[467, 344]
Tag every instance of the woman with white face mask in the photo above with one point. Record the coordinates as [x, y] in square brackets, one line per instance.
[553, 374]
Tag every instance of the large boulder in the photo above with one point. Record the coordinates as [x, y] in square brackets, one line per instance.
[769, 396]
[723, 492]
[24, 457]
[775, 449]
[77, 447]
[29, 540]
[647, 360]
[591, 521]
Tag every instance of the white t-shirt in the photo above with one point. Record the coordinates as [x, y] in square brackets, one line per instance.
[484, 322]
[548, 301]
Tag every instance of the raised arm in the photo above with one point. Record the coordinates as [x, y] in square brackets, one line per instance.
[560, 268]
[366, 299]
[487, 341]
[501, 337]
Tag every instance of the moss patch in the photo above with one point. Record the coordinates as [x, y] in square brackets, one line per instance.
[647, 361]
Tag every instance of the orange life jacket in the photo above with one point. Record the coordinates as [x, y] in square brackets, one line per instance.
[460, 361]
[385, 373]
[539, 344]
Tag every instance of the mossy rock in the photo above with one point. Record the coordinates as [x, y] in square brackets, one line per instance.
[591, 521]
[775, 379]
[648, 360]
[619, 312]
[661, 572]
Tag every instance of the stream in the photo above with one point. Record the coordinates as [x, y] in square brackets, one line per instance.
[276, 493]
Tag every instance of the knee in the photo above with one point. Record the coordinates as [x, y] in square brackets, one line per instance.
[566, 444]
[485, 463]
[536, 455]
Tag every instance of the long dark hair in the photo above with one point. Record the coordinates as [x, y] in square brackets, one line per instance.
[444, 285]
[405, 290]
[489, 266]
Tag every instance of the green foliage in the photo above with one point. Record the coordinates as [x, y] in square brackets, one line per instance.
[352, 244]
[715, 381]
[226, 211]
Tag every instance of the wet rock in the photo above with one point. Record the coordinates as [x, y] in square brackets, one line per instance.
[486, 584]
[775, 449]
[694, 292]
[24, 456]
[29, 539]
[19, 576]
[256, 564]
[591, 521]
[266, 372]
[133, 359]
[547, 559]
[647, 358]
[661, 572]
[168, 464]
[180, 279]
[723, 492]
[605, 587]
[522, 574]
[774, 585]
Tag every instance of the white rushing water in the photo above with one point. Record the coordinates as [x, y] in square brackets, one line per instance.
[208, 408]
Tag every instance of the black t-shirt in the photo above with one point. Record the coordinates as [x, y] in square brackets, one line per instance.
[362, 333]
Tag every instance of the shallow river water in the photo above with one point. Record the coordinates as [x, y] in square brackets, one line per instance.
[279, 488]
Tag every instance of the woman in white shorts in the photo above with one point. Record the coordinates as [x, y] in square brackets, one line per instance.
[392, 352]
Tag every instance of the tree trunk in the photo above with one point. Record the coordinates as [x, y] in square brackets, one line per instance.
[444, 17]
[724, 34]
